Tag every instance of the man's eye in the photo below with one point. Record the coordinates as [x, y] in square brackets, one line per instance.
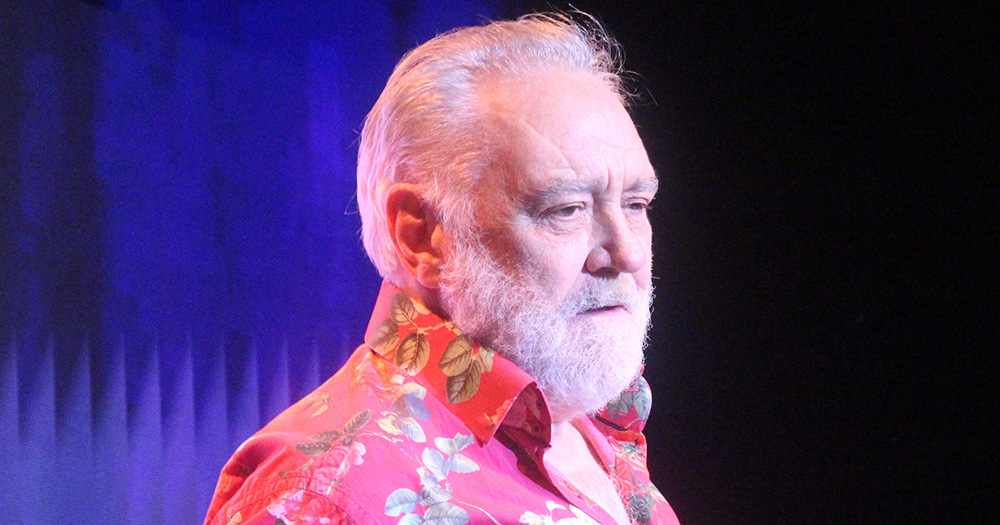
[638, 206]
[566, 212]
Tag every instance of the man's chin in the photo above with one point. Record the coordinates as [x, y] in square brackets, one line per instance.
[588, 395]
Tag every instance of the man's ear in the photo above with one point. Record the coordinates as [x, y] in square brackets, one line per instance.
[418, 236]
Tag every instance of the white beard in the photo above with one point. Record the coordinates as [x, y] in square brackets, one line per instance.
[580, 365]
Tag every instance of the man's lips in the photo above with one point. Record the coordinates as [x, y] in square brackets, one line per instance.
[604, 309]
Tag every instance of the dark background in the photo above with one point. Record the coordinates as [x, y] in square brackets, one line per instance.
[180, 255]
[826, 325]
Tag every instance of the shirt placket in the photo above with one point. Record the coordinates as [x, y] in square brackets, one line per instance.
[529, 440]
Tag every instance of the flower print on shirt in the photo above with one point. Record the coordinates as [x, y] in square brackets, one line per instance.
[578, 518]
[447, 433]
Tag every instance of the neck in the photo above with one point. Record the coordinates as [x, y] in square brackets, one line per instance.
[574, 457]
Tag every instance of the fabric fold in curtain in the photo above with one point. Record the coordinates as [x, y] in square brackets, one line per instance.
[180, 245]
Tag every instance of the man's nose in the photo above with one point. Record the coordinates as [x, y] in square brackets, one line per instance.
[618, 247]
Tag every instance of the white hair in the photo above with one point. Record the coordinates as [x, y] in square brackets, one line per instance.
[426, 129]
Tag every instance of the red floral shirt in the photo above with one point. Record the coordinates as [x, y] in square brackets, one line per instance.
[424, 426]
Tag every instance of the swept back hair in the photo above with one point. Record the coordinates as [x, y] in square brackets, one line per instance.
[426, 127]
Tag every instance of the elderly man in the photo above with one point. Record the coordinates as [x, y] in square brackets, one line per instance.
[503, 191]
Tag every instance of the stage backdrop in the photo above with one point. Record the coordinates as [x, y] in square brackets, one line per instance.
[180, 241]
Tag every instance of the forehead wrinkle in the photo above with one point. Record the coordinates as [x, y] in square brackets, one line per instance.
[589, 161]
[523, 132]
[522, 142]
[529, 138]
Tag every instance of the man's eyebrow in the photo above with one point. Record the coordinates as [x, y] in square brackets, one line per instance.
[561, 187]
[644, 185]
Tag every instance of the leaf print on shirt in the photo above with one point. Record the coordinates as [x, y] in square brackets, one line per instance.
[641, 500]
[640, 507]
[407, 409]
[579, 517]
[379, 376]
[461, 362]
[413, 353]
[463, 383]
[402, 310]
[638, 397]
[386, 336]
[457, 356]
[330, 462]
[320, 404]
[463, 386]
[630, 454]
[410, 401]
[323, 441]
[435, 494]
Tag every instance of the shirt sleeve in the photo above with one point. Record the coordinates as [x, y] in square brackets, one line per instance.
[298, 506]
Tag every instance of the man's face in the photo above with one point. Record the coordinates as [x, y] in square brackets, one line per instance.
[562, 281]
[568, 199]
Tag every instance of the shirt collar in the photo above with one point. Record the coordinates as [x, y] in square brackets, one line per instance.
[478, 386]
[630, 410]
[472, 381]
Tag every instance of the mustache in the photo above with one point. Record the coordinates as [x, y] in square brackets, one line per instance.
[603, 293]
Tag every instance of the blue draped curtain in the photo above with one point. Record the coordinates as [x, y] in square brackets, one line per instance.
[180, 244]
